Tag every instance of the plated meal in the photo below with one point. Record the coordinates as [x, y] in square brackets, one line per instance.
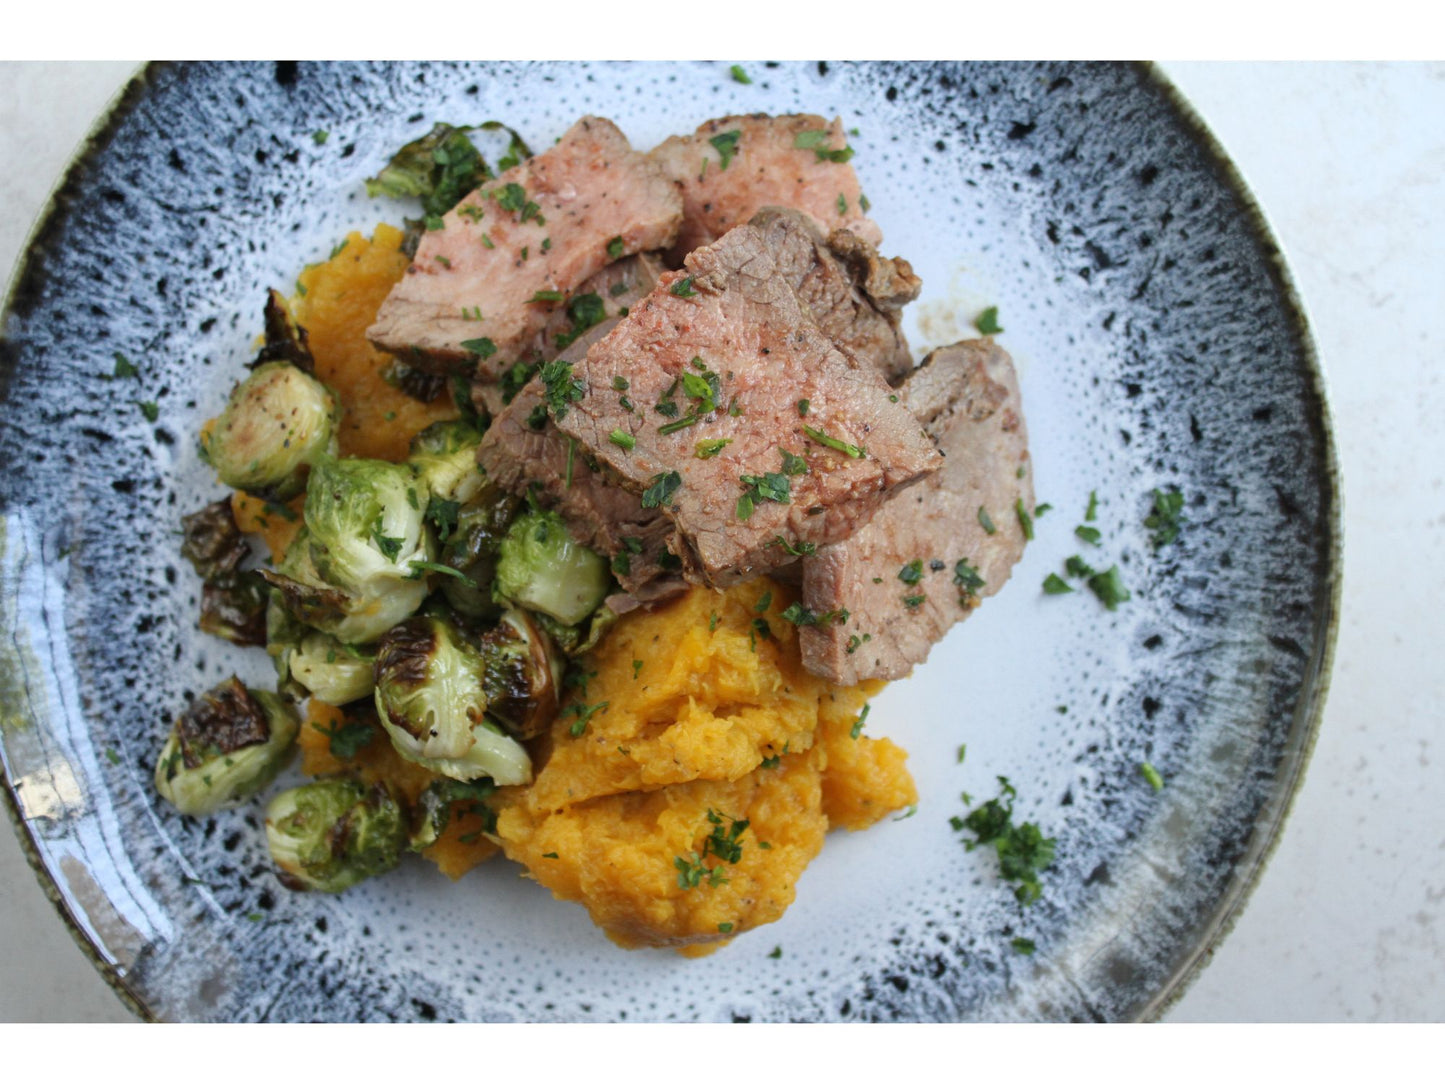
[596, 505]
[1145, 675]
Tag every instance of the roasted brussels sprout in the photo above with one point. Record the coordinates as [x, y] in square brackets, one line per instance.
[212, 542]
[471, 540]
[351, 617]
[224, 748]
[441, 167]
[431, 696]
[285, 338]
[333, 672]
[233, 602]
[542, 568]
[278, 423]
[574, 640]
[522, 674]
[332, 834]
[365, 524]
[444, 456]
[433, 809]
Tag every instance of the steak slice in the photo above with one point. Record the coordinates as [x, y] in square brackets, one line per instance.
[547, 224]
[523, 450]
[725, 352]
[967, 397]
[763, 167]
[601, 299]
[853, 294]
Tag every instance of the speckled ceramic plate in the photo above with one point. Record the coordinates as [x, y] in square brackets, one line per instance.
[1159, 343]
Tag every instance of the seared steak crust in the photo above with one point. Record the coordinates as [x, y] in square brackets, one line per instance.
[583, 203]
[967, 397]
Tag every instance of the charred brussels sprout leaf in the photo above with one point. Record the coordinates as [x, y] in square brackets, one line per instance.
[212, 542]
[441, 167]
[234, 608]
[285, 338]
[431, 697]
[417, 384]
[522, 674]
[542, 568]
[278, 423]
[333, 834]
[227, 746]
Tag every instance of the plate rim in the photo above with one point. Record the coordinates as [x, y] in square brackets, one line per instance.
[1303, 729]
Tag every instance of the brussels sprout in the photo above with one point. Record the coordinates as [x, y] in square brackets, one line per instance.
[353, 618]
[285, 338]
[333, 834]
[227, 746]
[471, 540]
[365, 524]
[444, 456]
[431, 696]
[574, 640]
[212, 542]
[432, 811]
[543, 569]
[278, 423]
[333, 672]
[523, 674]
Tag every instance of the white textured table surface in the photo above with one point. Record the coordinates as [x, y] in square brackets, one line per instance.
[1348, 162]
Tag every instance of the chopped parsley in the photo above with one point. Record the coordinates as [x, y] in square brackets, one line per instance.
[842, 204]
[966, 577]
[661, 490]
[1166, 517]
[1093, 510]
[985, 520]
[615, 248]
[123, 368]
[344, 741]
[769, 487]
[800, 615]
[764, 601]
[620, 383]
[912, 572]
[1077, 566]
[443, 516]
[706, 449]
[585, 311]
[1109, 587]
[803, 408]
[914, 601]
[802, 549]
[1091, 535]
[858, 723]
[151, 410]
[762, 628]
[987, 322]
[563, 389]
[419, 567]
[724, 927]
[390, 547]
[1054, 584]
[682, 288]
[1152, 776]
[1023, 946]
[853, 451]
[584, 713]
[320, 136]
[739, 76]
[625, 441]
[1023, 850]
[811, 139]
[793, 465]
[726, 145]
[776, 954]
[482, 348]
[549, 295]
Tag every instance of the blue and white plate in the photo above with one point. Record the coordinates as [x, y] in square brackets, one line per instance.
[1159, 342]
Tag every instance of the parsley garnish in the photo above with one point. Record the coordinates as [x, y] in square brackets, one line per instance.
[320, 136]
[739, 76]
[914, 601]
[769, 487]
[725, 844]
[123, 368]
[1166, 518]
[1023, 946]
[152, 411]
[1091, 535]
[853, 451]
[968, 580]
[912, 572]
[1093, 509]
[1056, 585]
[346, 740]
[615, 248]
[985, 520]
[1152, 776]
[802, 549]
[443, 515]
[803, 408]
[800, 615]
[1109, 587]
[431, 566]
[842, 204]
[584, 713]
[482, 348]
[706, 449]
[1023, 851]
[390, 547]
[858, 723]
[793, 465]
[549, 295]
[683, 288]
[563, 388]
[987, 322]
[661, 490]
[625, 441]
[1026, 521]
[727, 146]
[1076, 566]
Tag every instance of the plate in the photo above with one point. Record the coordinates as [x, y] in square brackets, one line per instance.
[1159, 343]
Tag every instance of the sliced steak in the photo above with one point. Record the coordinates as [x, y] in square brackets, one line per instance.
[724, 352]
[763, 166]
[600, 300]
[544, 226]
[833, 278]
[523, 451]
[967, 397]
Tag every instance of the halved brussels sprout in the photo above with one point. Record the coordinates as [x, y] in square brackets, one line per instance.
[333, 672]
[365, 519]
[431, 696]
[542, 568]
[278, 423]
[352, 617]
[224, 748]
[471, 540]
[332, 834]
[522, 676]
[444, 456]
